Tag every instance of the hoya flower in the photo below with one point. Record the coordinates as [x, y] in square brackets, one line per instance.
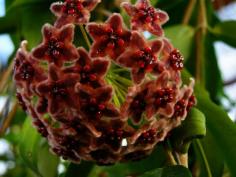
[95, 103]
[142, 57]
[110, 38]
[91, 71]
[57, 45]
[58, 89]
[73, 11]
[145, 17]
[26, 70]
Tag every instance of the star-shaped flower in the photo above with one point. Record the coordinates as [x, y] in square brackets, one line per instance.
[91, 71]
[26, 70]
[113, 133]
[142, 57]
[57, 45]
[95, 103]
[162, 96]
[73, 11]
[110, 38]
[136, 102]
[145, 17]
[59, 90]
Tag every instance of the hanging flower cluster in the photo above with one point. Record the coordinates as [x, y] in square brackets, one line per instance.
[71, 93]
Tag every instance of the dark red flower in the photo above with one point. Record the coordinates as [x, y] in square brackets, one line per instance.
[110, 38]
[145, 17]
[136, 102]
[26, 70]
[91, 71]
[162, 96]
[73, 11]
[147, 137]
[104, 157]
[59, 90]
[191, 102]
[57, 45]
[142, 57]
[113, 133]
[95, 103]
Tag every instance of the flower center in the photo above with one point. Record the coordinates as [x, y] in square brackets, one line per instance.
[115, 38]
[176, 60]
[164, 96]
[94, 108]
[148, 137]
[58, 91]
[55, 48]
[27, 71]
[87, 75]
[147, 14]
[180, 108]
[73, 7]
[145, 59]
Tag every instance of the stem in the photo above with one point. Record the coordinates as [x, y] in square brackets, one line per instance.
[6, 76]
[171, 157]
[188, 12]
[204, 158]
[200, 37]
[85, 35]
[183, 159]
[8, 119]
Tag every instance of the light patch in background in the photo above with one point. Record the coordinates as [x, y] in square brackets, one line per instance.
[3, 168]
[2, 8]
[4, 147]
[6, 48]
[226, 56]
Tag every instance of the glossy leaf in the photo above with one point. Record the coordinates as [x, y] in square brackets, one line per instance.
[35, 152]
[193, 127]
[225, 31]
[172, 171]
[182, 38]
[219, 124]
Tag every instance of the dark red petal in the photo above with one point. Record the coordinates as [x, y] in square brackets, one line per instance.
[90, 4]
[111, 111]
[143, 4]
[67, 33]
[83, 18]
[100, 67]
[129, 8]
[53, 106]
[163, 17]
[43, 88]
[116, 22]
[63, 20]
[104, 94]
[156, 29]
[53, 72]
[57, 8]
[127, 59]
[70, 53]
[98, 49]
[137, 40]
[156, 46]
[47, 31]
[84, 58]
[84, 91]
[137, 75]
[40, 51]
[95, 30]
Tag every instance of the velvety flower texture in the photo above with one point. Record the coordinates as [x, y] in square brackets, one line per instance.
[145, 17]
[73, 11]
[72, 93]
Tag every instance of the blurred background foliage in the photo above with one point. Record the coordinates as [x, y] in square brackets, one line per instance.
[193, 28]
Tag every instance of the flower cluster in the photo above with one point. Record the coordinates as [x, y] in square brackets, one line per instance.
[71, 99]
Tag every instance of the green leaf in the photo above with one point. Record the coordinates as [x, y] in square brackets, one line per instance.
[221, 127]
[80, 170]
[172, 171]
[225, 31]
[28, 146]
[193, 127]
[35, 152]
[181, 37]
